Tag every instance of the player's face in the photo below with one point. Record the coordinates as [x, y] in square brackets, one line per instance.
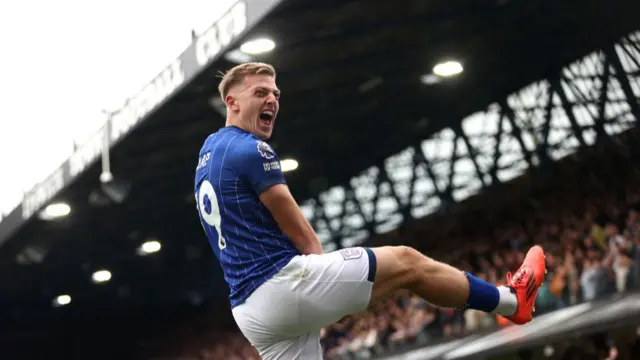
[257, 104]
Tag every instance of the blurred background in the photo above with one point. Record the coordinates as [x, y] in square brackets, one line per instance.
[469, 129]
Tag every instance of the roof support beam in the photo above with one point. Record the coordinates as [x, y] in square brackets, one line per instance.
[557, 87]
[517, 132]
[624, 81]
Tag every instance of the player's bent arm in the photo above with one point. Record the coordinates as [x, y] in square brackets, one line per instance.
[284, 209]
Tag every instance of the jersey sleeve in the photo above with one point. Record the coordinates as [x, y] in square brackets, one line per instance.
[260, 165]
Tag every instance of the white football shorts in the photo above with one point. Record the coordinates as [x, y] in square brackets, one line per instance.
[283, 317]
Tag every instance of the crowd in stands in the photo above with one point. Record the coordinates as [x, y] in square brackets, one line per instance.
[593, 250]
[589, 229]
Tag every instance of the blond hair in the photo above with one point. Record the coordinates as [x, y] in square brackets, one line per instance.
[236, 75]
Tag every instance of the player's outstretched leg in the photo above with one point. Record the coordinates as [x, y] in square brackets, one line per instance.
[443, 285]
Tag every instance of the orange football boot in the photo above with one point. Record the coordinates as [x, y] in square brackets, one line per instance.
[526, 282]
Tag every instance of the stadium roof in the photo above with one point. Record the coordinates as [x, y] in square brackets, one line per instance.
[353, 93]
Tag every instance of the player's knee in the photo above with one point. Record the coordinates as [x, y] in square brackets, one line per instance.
[399, 267]
[410, 261]
[409, 254]
[406, 253]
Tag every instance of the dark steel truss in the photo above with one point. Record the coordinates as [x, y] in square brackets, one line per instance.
[587, 101]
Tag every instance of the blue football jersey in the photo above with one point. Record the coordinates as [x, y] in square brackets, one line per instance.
[234, 168]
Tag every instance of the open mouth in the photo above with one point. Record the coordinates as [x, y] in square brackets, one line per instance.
[267, 117]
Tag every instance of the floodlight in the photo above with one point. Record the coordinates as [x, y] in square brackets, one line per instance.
[101, 276]
[288, 165]
[448, 68]
[150, 247]
[62, 300]
[257, 46]
[55, 211]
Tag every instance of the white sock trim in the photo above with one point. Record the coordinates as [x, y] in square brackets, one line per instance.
[508, 303]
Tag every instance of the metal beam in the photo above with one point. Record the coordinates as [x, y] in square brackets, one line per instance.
[384, 177]
[452, 163]
[598, 121]
[556, 86]
[472, 153]
[349, 197]
[423, 160]
[517, 132]
[630, 42]
[497, 153]
[624, 81]
[546, 127]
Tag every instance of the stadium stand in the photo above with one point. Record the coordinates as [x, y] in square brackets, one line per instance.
[469, 169]
[585, 217]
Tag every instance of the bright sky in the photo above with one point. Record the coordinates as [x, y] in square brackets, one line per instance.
[65, 61]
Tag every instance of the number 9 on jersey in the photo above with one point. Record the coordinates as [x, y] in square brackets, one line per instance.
[212, 218]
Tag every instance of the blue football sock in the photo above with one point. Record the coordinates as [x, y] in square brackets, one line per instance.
[483, 296]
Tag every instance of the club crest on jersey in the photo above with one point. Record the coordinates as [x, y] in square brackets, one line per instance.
[351, 253]
[265, 150]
